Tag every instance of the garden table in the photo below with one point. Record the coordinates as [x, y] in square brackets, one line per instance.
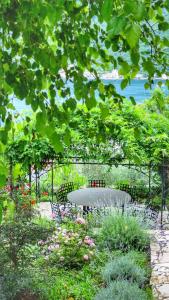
[99, 197]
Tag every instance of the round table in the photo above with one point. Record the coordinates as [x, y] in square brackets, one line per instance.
[99, 197]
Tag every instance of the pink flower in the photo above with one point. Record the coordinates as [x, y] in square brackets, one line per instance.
[80, 221]
[89, 241]
[86, 257]
[63, 213]
[53, 215]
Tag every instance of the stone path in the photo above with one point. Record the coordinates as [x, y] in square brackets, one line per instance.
[160, 264]
[44, 209]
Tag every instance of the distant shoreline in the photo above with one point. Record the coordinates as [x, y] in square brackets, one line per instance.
[114, 75]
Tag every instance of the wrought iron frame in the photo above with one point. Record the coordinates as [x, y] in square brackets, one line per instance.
[60, 161]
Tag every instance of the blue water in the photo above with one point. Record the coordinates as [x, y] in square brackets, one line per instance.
[135, 89]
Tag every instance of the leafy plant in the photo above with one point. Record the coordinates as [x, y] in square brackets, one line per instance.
[121, 290]
[124, 268]
[18, 233]
[123, 233]
[155, 203]
[141, 259]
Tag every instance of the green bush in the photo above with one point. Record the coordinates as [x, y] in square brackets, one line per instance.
[121, 290]
[124, 268]
[141, 259]
[123, 233]
[155, 203]
[19, 237]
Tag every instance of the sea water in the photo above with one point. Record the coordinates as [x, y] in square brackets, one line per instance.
[135, 89]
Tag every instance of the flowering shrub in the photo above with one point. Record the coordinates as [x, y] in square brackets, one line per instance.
[69, 247]
[65, 213]
[24, 201]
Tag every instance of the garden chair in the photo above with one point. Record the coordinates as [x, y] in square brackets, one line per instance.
[62, 207]
[96, 183]
[131, 190]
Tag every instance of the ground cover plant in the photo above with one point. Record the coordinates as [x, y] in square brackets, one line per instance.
[124, 268]
[129, 265]
[122, 290]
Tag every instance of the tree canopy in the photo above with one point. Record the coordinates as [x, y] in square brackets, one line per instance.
[48, 47]
[136, 133]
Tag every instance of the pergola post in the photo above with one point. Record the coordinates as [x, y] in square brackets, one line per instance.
[149, 181]
[163, 200]
[36, 183]
[38, 179]
[30, 179]
[52, 181]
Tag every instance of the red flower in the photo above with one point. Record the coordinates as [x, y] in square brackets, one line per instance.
[45, 193]
[33, 202]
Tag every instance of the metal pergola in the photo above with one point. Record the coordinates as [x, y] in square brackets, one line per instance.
[57, 160]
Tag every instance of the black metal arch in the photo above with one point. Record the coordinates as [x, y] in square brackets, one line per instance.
[60, 161]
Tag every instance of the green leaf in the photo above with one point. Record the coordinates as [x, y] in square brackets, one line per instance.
[28, 119]
[104, 110]
[116, 25]
[34, 104]
[163, 26]
[133, 101]
[146, 85]
[124, 83]
[4, 136]
[40, 121]
[135, 56]
[11, 106]
[3, 168]
[56, 142]
[1, 213]
[149, 66]
[125, 68]
[136, 8]
[67, 137]
[136, 132]
[90, 102]
[133, 35]
[106, 10]
[71, 103]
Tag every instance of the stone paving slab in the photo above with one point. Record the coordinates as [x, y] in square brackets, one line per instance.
[160, 264]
